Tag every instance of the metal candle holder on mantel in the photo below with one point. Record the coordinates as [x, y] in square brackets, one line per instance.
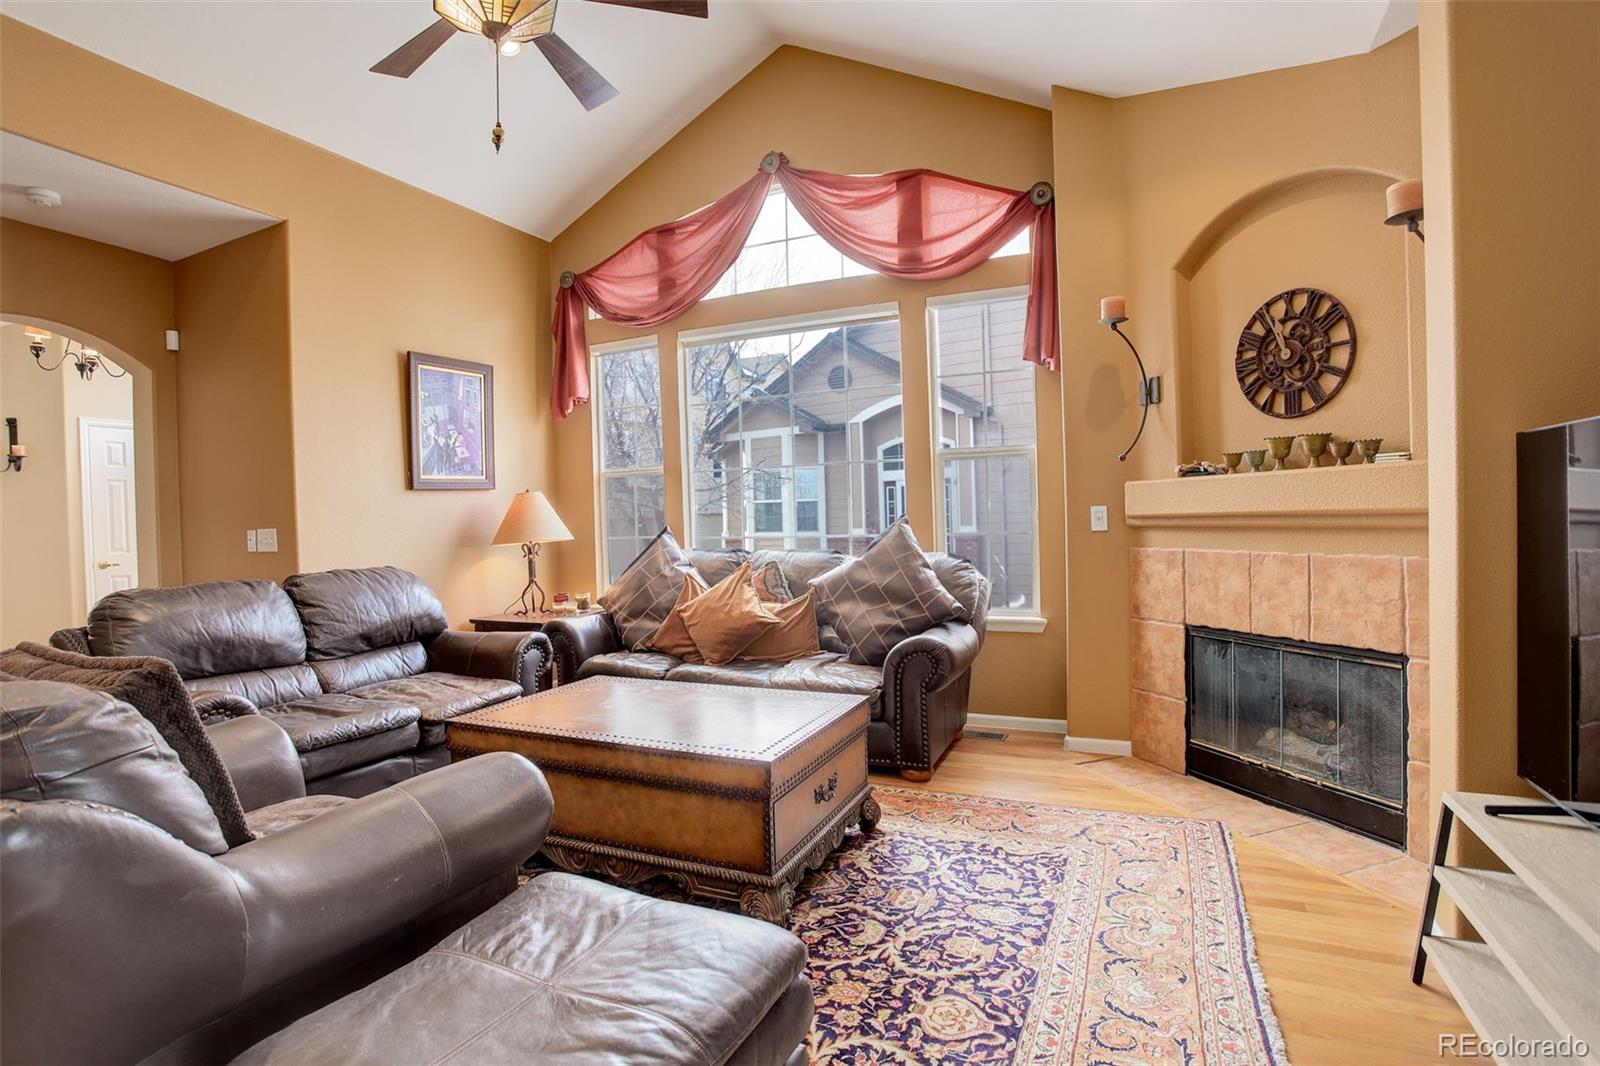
[1315, 446]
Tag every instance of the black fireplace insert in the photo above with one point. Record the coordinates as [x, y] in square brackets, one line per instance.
[1314, 727]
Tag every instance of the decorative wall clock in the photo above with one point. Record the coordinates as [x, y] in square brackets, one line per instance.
[1295, 353]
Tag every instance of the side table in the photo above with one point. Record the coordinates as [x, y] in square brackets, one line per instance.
[534, 621]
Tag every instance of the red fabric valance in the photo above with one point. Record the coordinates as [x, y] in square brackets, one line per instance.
[909, 224]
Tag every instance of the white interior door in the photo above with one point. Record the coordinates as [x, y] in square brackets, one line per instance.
[110, 526]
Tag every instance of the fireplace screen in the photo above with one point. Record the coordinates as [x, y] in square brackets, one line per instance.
[1312, 726]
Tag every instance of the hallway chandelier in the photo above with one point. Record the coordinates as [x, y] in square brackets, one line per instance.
[85, 360]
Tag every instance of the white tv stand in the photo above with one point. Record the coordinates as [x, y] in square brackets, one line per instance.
[1536, 974]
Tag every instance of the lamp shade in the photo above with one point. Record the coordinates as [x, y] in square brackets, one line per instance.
[531, 520]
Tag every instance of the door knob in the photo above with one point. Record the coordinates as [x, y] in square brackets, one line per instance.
[103, 565]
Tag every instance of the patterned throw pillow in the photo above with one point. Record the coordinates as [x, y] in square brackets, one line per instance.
[673, 637]
[887, 594]
[794, 637]
[727, 617]
[640, 600]
[770, 584]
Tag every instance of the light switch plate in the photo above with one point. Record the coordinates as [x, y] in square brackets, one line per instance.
[1099, 519]
[249, 540]
[266, 540]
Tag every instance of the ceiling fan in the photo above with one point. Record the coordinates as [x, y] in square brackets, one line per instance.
[509, 24]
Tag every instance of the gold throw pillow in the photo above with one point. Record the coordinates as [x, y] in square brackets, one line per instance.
[725, 618]
[794, 637]
[672, 637]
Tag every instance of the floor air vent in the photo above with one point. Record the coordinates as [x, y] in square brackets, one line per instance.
[985, 734]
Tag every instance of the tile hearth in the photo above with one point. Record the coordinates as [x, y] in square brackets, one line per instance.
[1376, 602]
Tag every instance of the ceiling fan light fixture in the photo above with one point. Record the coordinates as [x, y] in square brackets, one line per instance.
[509, 48]
[499, 20]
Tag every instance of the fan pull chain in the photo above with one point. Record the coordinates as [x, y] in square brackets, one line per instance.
[498, 134]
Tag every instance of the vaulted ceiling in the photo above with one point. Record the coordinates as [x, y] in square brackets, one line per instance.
[302, 68]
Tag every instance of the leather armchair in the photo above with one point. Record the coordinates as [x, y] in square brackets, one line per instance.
[122, 941]
[261, 760]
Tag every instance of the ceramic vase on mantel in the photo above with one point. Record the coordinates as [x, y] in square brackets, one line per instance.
[1231, 461]
[1369, 448]
[1255, 458]
[1342, 449]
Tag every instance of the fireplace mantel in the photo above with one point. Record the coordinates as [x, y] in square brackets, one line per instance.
[1368, 496]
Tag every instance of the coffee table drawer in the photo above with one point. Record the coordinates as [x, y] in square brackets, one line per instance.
[815, 798]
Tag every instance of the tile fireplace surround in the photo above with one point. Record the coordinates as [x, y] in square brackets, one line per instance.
[1378, 602]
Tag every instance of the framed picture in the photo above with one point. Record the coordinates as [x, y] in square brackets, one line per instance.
[452, 422]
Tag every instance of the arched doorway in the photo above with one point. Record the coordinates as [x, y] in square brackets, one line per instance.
[78, 513]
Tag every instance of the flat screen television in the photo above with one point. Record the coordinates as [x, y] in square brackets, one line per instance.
[1558, 614]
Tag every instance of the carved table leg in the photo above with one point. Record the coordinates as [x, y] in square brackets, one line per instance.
[768, 904]
[870, 813]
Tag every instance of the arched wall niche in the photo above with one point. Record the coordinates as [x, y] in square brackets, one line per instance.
[1321, 229]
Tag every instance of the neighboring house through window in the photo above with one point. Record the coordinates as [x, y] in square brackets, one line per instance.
[628, 442]
[988, 507]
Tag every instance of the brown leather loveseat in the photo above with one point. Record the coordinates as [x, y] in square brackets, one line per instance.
[918, 693]
[359, 667]
[133, 931]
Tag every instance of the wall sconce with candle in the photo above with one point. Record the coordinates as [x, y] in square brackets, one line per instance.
[1114, 312]
[1403, 200]
[15, 453]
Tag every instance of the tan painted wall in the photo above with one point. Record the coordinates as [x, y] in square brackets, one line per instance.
[376, 267]
[234, 407]
[1197, 206]
[41, 506]
[834, 114]
[121, 302]
[1511, 144]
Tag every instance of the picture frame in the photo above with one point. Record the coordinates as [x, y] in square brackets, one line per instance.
[452, 422]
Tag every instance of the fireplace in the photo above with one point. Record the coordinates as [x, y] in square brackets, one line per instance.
[1315, 727]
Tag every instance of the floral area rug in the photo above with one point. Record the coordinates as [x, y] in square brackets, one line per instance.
[975, 930]
[968, 929]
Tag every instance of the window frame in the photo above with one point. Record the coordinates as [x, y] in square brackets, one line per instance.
[1030, 620]
[598, 352]
[798, 323]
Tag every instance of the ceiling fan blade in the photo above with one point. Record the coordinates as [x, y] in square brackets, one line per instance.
[585, 82]
[693, 8]
[404, 61]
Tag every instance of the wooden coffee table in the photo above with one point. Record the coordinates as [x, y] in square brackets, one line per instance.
[733, 793]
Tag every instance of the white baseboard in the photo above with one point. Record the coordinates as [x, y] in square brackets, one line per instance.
[1016, 721]
[1096, 746]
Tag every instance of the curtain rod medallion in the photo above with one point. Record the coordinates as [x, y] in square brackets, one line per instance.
[1041, 193]
[769, 162]
[567, 279]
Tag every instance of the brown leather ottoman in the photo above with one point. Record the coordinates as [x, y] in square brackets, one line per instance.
[731, 793]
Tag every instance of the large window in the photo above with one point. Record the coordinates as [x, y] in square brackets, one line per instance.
[793, 436]
[784, 250]
[988, 504]
[628, 428]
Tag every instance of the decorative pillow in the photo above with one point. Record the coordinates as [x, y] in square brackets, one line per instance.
[154, 689]
[673, 637]
[887, 594]
[794, 637]
[727, 617]
[770, 584]
[640, 600]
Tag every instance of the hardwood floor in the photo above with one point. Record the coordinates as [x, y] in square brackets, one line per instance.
[1336, 954]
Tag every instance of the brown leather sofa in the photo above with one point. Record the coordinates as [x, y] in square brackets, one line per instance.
[359, 667]
[133, 932]
[918, 693]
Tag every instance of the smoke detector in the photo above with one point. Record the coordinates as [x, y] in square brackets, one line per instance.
[38, 194]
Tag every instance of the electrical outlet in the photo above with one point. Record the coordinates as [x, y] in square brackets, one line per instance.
[249, 540]
[266, 540]
[1099, 519]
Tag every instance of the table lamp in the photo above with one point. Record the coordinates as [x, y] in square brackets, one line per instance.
[530, 521]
